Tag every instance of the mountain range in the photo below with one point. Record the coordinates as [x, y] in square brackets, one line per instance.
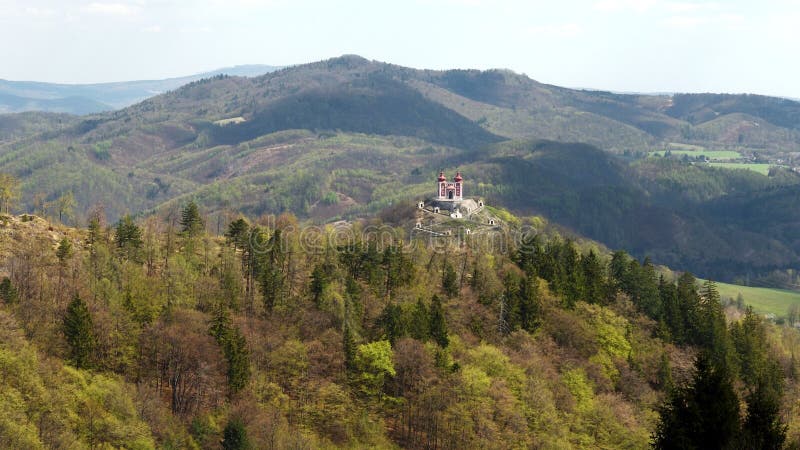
[348, 136]
[18, 96]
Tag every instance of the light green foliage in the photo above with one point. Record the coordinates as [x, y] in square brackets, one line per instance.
[476, 381]
[45, 404]
[611, 331]
[580, 387]
[373, 363]
[496, 364]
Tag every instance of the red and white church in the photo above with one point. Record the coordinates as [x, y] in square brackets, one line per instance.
[450, 191]
[449, 198]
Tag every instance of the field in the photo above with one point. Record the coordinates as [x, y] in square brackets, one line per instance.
[763, 300]
[761, 168]
[710, 154]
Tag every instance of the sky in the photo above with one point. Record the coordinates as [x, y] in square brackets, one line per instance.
[731, 46]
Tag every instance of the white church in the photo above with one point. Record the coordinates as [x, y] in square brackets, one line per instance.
[449, 198]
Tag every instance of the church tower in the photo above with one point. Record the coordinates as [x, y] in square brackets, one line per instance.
[450, 191]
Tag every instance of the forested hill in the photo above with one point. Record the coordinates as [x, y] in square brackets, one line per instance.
[346, 137]
[153, 334]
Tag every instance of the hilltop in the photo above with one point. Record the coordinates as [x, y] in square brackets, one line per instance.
[346, 137]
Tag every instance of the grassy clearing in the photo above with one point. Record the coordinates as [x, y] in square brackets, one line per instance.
[679, 146]
[761, 168]
[763, 300]
[232, 120]
[710, 154]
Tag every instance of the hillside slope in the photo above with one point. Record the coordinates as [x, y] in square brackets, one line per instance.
[348, 136]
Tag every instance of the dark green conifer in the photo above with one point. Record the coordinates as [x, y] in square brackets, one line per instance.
[234, 437]
[438, 322]
[449, 280]
[191, 222]
[79, 333]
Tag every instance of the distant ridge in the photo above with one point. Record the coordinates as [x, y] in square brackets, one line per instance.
[81, 99]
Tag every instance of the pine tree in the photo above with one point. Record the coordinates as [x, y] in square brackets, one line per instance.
[419, 325]
[272, 277]
[238, 358]
[238, 233]
[704, 415]
[234, 437]
[392, 322]
[593, 278]
[191, 222]
[8, 293]
[438, 323]
[64, 250]
[665, 373]
[79, 333]
[319, 280]
[349, 346]
[234, 347]
[128, 237]
[763, 427]
[449, 280]
[527, 308]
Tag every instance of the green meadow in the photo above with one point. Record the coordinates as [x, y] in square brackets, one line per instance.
[763, 300]
[710, 154]
[761, 168]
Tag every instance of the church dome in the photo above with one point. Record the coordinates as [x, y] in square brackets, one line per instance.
[441, 177]
[458, 177]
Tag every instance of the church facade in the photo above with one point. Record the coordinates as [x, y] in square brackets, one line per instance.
[450, 191]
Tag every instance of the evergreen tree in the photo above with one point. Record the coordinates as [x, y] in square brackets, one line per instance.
[619, 268]
[349, 347]
[593, 278]
[64, 250]
[8, 293]
[438, 330]
[238, 232]
[191, 222]
[419, 325]
[272, 277]
[713, 333]
[665, 374]
[238, 358]
[449, 280]
[392, 322]
[128, 237]
[397, 268]
[234, 348]
[510, 303]
[527, 308]
[319, 280]
[704, 415]
[763, 427]
[234, 437]
[79, 333]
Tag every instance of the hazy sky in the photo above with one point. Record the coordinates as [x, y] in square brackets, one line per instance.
[626, 45]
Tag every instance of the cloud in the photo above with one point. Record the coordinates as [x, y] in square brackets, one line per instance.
[642, 6]
[564, 30]
[691, 21]
[625, 5]
[40, 12]
[152, 29]
[685, 21]
[112, 9]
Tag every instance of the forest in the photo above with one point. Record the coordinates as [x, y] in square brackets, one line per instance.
[152, 332]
